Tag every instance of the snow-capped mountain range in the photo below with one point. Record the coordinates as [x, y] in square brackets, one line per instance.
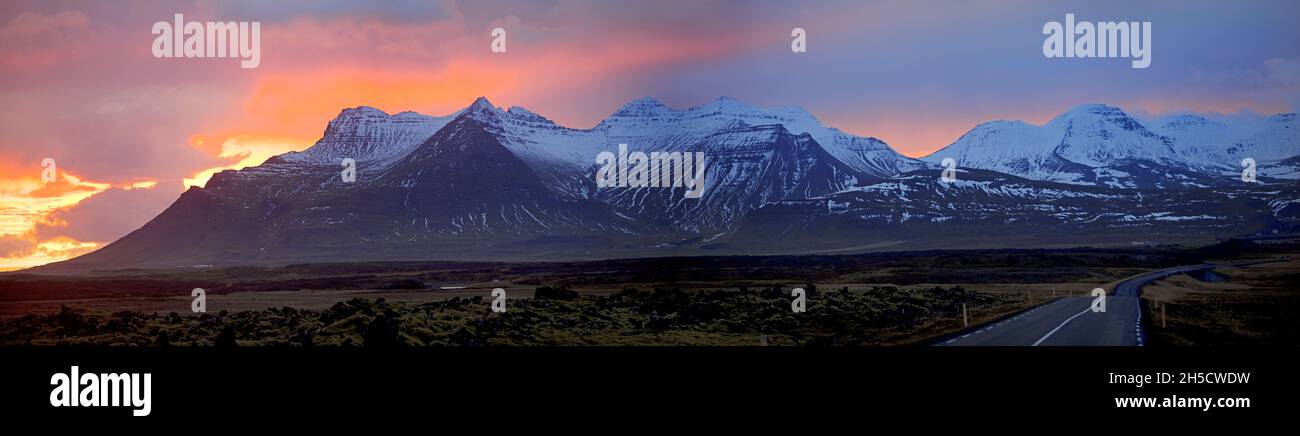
[1101, 145]
[493, 183]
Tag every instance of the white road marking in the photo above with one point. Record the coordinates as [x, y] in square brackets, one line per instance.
[1063, 323]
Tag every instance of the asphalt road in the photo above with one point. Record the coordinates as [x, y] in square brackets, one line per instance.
[1071, 321]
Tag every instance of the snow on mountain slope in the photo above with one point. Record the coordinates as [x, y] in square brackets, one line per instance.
[648, 121]
[1220, 143]
[1103, 146]
[1098, 135]
[1278, 139]
[463, 181]
[748, 167]
[1012, 147]
[369, 135]
[1208, 142]
[565, 157]
[559, 155]
[983, 206]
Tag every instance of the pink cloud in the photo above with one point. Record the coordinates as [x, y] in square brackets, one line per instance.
[36, 24]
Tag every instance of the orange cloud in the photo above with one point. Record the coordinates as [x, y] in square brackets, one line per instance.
[40, 253]
[245, 151]
[146, 184]
[61, 187]
[293, 104]
[27, 201]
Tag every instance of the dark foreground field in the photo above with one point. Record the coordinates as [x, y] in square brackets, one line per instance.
[1256, 305]
[870, 299]
[552, 317]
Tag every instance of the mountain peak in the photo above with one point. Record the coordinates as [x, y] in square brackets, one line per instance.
[1184, 121]
[726, 104]
[644, 106]
[367, 134]
[350, 117]
[519, 112]
[361, 111]
[481, 103]
[795, 110]
[482, 110]
[647, 101]
[1094, 109]
[1098, 113]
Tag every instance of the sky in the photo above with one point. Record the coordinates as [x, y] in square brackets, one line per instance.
[129, 132]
